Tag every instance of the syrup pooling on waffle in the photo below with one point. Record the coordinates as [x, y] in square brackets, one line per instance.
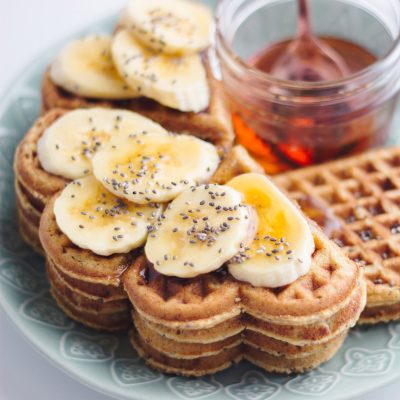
[362, 194]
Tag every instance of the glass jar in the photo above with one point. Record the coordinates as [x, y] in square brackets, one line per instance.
[288, 124]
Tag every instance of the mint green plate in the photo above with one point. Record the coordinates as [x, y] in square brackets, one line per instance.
[369, 358]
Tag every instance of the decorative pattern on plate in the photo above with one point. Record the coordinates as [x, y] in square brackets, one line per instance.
[356, 332]
[364, 362]
[7, 142]
[7, 190]
[314, 383]
[10, 241]
[132, 372]
[193, 388]
[26, 106]
[394, 330]
[108, 362]
[20, 275]
[88, 347]
[253, 386]
[42, 309]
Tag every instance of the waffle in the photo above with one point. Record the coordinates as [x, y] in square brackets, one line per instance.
[83, 300]
[110, 322]
[237, 161]
[28, 218]
[212, 124]
[356, 201]
[35, 186]
[210, 364]
[202, 325]
[85, 285]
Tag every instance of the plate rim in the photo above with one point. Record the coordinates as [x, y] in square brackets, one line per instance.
[7, 311]
[31, 339]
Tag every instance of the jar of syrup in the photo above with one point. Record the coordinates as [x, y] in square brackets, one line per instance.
[290, 114]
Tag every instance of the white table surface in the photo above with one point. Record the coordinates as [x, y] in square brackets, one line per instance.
[26, 28]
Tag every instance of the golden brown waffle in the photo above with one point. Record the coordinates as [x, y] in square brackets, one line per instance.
[81, 299]
[188, 367]
[111, 322]
[85, 285]
[204, 324]
[209, 364]
[212, 124]
[82, 282]
[92, 311]
[210, 299]
[36, 183]
[356, 200]
[28, 219]
[197, 348]
[76, 262]
[237, 161]
[35, 186]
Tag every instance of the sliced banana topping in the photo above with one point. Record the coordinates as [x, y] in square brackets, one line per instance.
[85, 67]
[154, 166]
[200, 230]
[68, 145]
[283, 246]
[94, 219]
[172, 27]
[174, 81]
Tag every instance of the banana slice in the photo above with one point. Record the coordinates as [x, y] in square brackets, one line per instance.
[175, 27]
[176, 82]
[67, 146]
[85, 67]
[282, 249]
[94, 219]
[154, 166]
[200, 230]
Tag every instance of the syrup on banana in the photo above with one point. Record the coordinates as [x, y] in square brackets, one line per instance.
[68, 145]
[282, 249]
[154, 166]
[200, 230]
[96, 220]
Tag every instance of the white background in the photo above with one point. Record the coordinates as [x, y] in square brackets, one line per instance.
[26, 28]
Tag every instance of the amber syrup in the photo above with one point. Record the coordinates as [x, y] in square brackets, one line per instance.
[290, 140]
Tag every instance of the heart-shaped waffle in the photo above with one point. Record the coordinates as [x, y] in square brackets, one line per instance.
[204, 324]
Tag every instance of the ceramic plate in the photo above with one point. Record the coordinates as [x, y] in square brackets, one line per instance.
[369, 358]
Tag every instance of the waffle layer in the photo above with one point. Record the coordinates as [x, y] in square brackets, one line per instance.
[357, 202]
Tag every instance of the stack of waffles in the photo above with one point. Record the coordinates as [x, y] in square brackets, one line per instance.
[35, 186]
[356, 201]
[87, 74]
[202, 325]
[94, 101]
[86, 286]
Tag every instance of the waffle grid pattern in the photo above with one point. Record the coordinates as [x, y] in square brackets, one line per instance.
[357, 202]
[309, 292]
